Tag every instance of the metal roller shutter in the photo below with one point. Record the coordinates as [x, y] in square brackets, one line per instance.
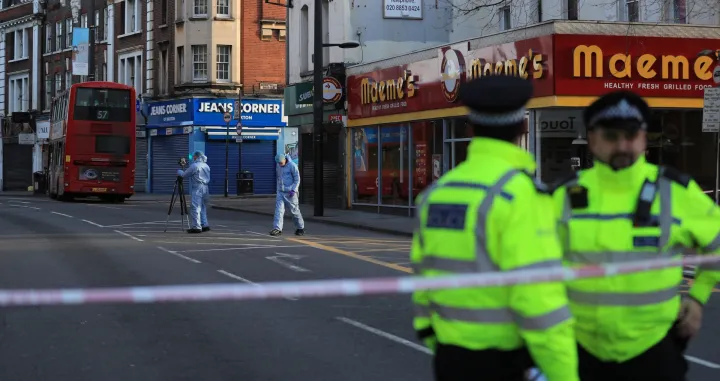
[141, 164]
[17, 166]
[258, 157]
[166, 151]
[215, 152]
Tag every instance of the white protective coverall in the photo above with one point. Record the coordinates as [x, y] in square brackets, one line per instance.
[199, 175]
[288, 182]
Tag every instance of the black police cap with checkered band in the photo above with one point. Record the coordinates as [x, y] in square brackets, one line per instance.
[622, 109]
[496, 100]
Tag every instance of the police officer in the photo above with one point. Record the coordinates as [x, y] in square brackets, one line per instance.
[633, 327]
[488, 215]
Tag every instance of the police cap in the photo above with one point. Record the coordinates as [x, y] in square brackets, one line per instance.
[618, 109]
[496, 100]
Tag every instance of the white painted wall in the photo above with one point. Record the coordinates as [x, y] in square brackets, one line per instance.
[362, 21]
[486, 20]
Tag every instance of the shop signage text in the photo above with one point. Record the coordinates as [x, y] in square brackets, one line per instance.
[388, 90]
[519, 68]
[168, 109]
[621, 65]
[210, 112]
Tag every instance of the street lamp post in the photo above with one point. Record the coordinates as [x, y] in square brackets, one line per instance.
[318, 102]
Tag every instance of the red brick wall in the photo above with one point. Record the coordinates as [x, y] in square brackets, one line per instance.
[262, 61]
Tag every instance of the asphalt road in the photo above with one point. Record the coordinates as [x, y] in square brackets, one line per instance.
[49, 244]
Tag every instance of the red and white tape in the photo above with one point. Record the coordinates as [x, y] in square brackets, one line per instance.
[327, 288]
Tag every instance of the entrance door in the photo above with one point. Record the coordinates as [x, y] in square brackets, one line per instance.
[17, 167]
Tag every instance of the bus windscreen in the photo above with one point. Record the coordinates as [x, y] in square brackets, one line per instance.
[102, 105]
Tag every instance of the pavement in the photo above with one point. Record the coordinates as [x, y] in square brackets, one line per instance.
[51, 244]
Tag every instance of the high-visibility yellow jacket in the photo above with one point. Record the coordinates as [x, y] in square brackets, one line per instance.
[622, 316]
[488, 215]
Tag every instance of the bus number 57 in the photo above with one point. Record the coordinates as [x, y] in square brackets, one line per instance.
[102, 114]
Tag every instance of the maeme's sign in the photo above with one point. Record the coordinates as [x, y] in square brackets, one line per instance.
[523, 67]
[387, 90]
[589, 62]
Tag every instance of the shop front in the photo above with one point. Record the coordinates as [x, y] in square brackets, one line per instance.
[408, 127]
[299, 142]
[179, 127]
[262, 125]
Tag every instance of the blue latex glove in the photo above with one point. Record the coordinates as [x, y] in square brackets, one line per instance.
[179, 172]
[292, 193]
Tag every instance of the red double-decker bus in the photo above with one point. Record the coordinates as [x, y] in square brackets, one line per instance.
[92, 142]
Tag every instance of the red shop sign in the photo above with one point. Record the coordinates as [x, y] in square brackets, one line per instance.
[429, 84]
[651, 66]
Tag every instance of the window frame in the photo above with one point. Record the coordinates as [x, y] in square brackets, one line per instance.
[59, 35]
[199, 6]
[23, 104]
[227, 6]
[197, 62]
[68, 32]
[228, 63]
[132, 24]
[123, 60]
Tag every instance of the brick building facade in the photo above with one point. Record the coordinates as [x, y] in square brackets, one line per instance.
[263, 47]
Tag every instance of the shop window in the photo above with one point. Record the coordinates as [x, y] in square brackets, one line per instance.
[426, 155]
[394, 164]
[365, 165]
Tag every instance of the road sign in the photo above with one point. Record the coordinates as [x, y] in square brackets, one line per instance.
[227, 117]
[137, 105]
[237, 110]
[238, 128]
[238, 139]
[711, 110]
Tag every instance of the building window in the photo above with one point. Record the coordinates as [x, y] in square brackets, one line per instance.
[572, 9]
[105, 24]
[632, 8]
[222, 63]
[83, 20]
[181, 64]
[48, 38]
[163, 12]
[97, 26]
[58, 83]
[130, 70]
[19, 92]
[163, 78]
[22, 37]
[180, 9]
[505, 20]
[304, 39]
[48, 93]
[200, 65]
[200, 8]
[68, 32]
[132, 16]
[223, 8]
[59, 36]
[68, 79]
[679, 11]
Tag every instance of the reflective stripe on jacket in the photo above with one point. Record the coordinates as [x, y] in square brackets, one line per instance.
[487, 215]
[622, 316]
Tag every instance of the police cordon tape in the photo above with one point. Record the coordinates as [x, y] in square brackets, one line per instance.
[329, 288]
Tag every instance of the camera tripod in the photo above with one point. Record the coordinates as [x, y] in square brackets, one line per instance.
[178, 193]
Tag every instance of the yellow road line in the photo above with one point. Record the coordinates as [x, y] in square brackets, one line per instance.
[352, 255]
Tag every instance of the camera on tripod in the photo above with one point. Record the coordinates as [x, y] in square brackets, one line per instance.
[182, 162]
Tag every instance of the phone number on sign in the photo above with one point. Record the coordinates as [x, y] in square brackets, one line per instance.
[412, 8]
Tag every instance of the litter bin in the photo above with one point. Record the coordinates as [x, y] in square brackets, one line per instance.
[39, 182]
[245, 183]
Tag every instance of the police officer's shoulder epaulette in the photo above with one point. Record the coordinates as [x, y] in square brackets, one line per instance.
[676, 176]
[563, 181]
